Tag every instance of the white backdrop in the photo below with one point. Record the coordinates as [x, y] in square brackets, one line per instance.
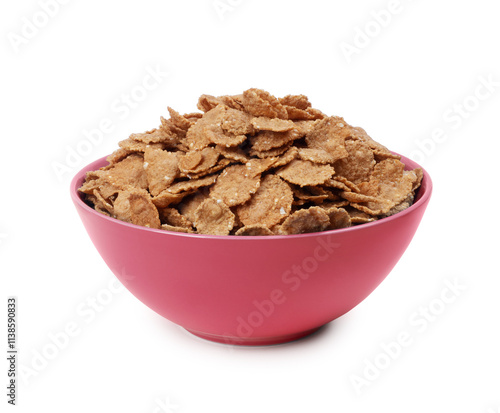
[422, 77]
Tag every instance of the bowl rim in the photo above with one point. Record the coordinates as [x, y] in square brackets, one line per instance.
[422, 199]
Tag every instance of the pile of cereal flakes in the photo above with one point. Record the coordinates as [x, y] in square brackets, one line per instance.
[251, 164]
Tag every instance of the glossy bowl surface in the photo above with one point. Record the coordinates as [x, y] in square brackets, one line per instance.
[251, 290]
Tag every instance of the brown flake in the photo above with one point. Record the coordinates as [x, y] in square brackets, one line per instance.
[162, 167]
[313, 219]
[135, 206]
[235, 185]
[269, 206]
[254, 230]
[305, 173]
[213, 218]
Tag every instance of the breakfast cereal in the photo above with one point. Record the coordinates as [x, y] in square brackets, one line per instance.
[251, 165]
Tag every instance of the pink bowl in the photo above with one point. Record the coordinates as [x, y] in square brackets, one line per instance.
[251, 290]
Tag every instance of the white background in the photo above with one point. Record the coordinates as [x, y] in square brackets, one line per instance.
[404, 83]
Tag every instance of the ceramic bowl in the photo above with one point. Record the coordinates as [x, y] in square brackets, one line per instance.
[251, 290]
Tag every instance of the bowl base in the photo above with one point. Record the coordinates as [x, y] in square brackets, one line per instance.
[253, 341]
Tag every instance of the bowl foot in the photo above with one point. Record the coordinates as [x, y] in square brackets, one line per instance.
[253, 341]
